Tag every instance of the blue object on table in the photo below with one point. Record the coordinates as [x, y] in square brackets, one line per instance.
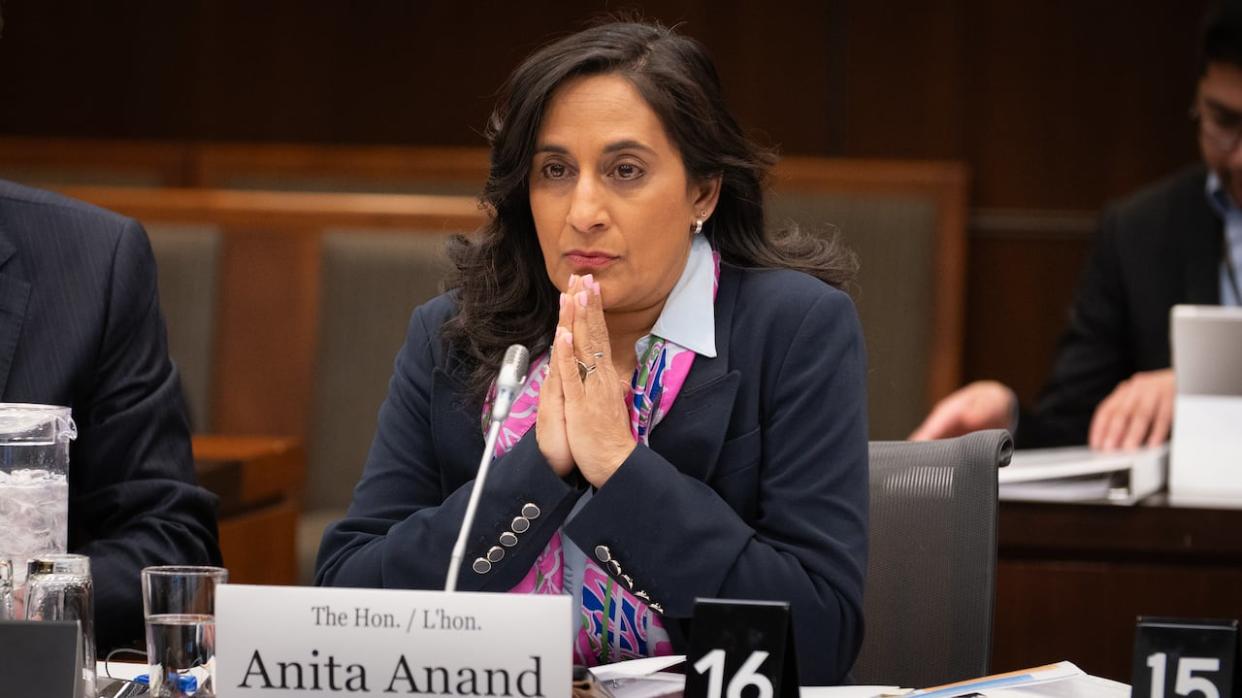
[186, 684]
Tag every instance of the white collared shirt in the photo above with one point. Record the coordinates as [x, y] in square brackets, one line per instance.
[689, 315]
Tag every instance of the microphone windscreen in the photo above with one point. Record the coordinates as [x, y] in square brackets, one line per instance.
[513, 367]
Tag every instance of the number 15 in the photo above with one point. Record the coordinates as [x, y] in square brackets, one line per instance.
[1186, 682]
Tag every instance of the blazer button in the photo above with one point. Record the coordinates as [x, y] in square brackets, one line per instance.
[531, 511]
[495, 553]
[508, 540]
[481, 566]
[602, 553]
[520, 525]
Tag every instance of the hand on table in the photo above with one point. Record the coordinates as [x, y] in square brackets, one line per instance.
[1139, 412]
[979, 405]
[585, 413]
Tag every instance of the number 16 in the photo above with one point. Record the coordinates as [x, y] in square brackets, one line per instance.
[713, 662]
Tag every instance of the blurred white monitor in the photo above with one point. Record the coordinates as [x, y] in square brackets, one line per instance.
[1205, 465]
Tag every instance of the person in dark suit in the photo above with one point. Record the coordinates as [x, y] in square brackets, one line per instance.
[693, 423]
[80, 326]
[1177, 241]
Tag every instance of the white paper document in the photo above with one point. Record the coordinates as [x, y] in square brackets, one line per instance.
[646, 678]
[1079, 474]
[1060, 680]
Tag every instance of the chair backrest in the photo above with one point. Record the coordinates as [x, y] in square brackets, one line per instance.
[187, 257]
[931, 576]
[906, 223]
[370, 283]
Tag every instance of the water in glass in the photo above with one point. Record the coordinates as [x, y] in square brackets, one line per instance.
[180, 645]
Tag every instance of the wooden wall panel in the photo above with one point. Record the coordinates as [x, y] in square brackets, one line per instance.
[1054, 105]
[1047, 611]
[902, 94]
[1012, 328]
[1072, 103]
[362, 72]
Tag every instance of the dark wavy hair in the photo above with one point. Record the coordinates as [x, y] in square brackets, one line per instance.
[502, 290]
[1221, 36]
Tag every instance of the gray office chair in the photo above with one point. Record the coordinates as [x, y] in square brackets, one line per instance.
[370, 283]
[187, 257]
[931, 577]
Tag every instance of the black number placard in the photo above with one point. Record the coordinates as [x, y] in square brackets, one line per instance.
[1192, 658]
[741, 649]
[40, 658]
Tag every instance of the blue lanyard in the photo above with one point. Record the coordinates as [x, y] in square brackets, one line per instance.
[1229, 270]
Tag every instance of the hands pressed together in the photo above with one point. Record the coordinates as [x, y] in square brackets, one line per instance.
[583, 420]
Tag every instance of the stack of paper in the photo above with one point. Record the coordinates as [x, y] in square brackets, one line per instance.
[1080, 474]
[1060, 680]
[647, 678]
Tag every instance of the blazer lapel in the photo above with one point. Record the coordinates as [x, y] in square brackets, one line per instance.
[14, 296]
[691, 434]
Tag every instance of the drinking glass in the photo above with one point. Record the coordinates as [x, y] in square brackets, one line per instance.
[6, 590]
[59, 587]
[179, 604]
[34, 482]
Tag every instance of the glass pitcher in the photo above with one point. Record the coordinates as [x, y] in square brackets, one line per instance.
[34, 482]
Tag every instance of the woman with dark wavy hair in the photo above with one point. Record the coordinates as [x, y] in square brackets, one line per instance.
[693, 423]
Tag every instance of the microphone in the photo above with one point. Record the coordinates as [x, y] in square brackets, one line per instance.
[510, 381]
[508, 384]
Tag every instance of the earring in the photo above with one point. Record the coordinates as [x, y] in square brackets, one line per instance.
[698, 227]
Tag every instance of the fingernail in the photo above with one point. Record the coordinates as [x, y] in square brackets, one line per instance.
[567, 337]
[595, 287]
[573, 279]
[588, 280]
[562, 300]
[582, 298]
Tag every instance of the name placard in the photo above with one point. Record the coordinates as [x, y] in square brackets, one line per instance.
[294, 641]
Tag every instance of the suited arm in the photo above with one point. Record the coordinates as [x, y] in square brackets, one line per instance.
[134, 501]
[1093, 354]
[406, 511]
[676, 539]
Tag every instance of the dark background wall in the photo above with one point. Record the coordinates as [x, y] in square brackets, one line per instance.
[1056, 105]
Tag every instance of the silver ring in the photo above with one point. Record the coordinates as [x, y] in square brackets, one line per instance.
[584, 369]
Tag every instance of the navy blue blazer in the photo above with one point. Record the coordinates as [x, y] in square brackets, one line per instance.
[754, 485]
[80, 326]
